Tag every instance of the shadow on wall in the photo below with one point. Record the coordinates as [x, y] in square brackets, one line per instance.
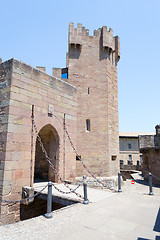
[74, 51]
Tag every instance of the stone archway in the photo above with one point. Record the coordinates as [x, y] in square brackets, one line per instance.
[50, 140]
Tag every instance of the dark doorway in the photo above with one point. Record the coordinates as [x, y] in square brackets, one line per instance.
[50, 140]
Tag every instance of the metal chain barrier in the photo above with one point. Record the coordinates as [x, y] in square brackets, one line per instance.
[51, 164]
[25, 199]
[155, 176]
[147, 174]
[82, 162]
[123, 175]
[59, 190]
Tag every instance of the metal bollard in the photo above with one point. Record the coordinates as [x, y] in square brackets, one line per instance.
[85, 190]
[150, 184]
[119, 182]
[49, 201]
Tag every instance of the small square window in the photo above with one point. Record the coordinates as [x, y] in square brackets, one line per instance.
[114, 158]
[130, 162]
[121, 162]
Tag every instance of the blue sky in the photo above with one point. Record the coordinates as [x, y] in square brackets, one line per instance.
[36, 32]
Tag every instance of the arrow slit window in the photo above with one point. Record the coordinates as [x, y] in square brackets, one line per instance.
[88, 125]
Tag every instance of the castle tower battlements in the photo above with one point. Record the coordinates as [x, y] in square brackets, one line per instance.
[92, 68]
[108, 43]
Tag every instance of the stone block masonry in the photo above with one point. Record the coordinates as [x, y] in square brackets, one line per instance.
[86, 100]
[150, 149]
[92, 68]
[22, 86]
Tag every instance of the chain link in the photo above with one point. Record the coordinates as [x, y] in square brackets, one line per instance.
[51, 164]
[156, 177]
[59, 190]
[147, 174]
[82, 162]
[24, 199]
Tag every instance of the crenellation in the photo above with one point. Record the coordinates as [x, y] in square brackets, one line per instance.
[108, 39]
[71, 26]
[97, 32]
[79, 26]
[43, 69]
[108, 43]
[117, 48]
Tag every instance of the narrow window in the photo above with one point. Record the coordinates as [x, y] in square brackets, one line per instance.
[88, 90]
[130, 157]
[121, 162]
[88, 125]
[112, 58]
[129, 146]
[130, 160]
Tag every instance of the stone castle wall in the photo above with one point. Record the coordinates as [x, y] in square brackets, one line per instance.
[87, 102]
[92, 68]
[150, 149]
[22, 86]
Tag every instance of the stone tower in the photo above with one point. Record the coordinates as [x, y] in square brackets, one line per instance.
[92, 68]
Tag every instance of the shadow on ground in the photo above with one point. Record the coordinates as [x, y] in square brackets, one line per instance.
[156, 227]
[157, 238]
[143, 182]
[157, 223]
[143, 238]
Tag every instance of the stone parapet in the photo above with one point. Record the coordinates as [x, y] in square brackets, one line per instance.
[146, 141]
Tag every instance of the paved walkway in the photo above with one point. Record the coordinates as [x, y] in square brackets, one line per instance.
[132, 214]
[94, 194]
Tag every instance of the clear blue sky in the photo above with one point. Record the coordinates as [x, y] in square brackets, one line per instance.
[36, 32]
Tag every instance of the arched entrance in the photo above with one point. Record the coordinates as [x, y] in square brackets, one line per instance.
[50, 140]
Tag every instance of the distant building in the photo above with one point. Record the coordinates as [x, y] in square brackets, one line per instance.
[128, 149]
[150, 148]
[129, 153]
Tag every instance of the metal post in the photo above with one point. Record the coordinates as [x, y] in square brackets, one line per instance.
[49, 201]
[150, 184]
[85, 190]
[119, 182]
